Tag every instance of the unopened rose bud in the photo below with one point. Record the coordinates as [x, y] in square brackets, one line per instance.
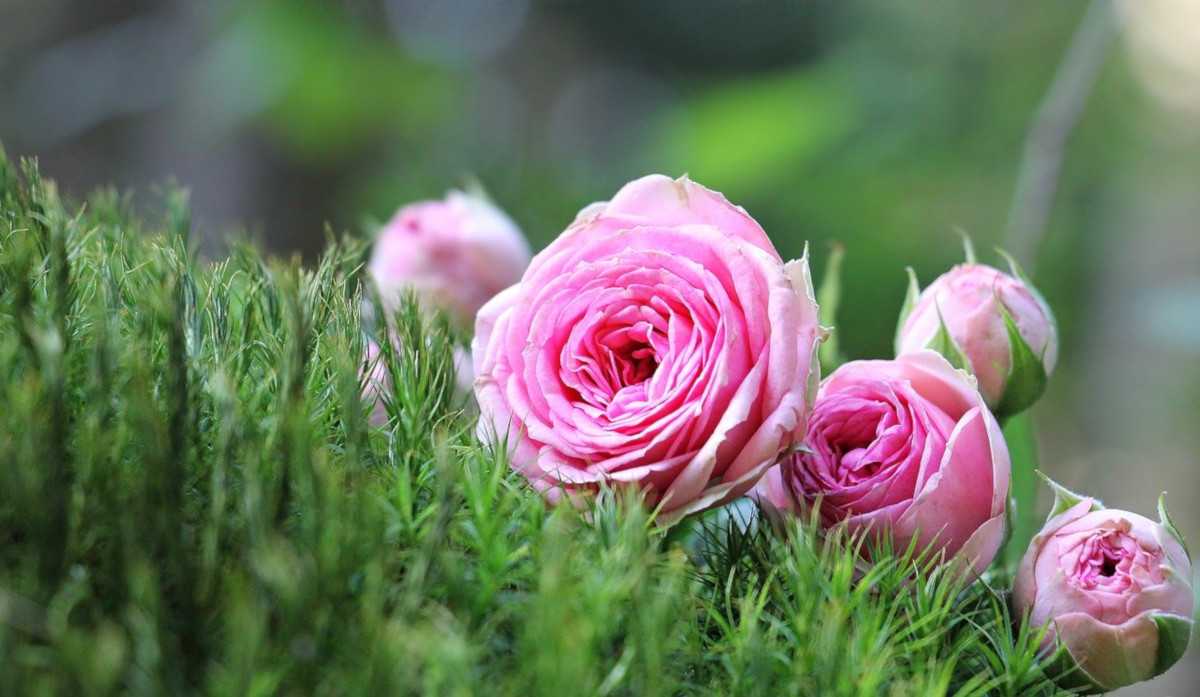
[1112, 588]
[992, 324]
[455, 254]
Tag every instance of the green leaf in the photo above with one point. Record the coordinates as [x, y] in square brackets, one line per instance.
[1064, 498]
[1026, 379]
[1164, 519]
[1174, 632]
[945, 344]
[828, 298]
[910, 302]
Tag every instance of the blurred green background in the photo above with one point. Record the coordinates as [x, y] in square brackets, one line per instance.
[884, 127]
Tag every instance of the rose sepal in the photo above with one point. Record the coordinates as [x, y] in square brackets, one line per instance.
[1026, 379]
[1065, 499]
[1164, 519]
[911, 295]
[945, 344]
[1174, 634]
[800, 272]
[828, 299]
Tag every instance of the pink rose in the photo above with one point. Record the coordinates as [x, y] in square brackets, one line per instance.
[456, 254]
[660, 342]
[971, 300]
[1116, 589]
[903, 447]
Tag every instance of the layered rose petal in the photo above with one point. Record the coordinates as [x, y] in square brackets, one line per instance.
[903, 448]
[660, 342]
[1103, 580]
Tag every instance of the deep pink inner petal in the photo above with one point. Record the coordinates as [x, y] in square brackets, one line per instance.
[869, 447]
[1104, 561]
[639, 358]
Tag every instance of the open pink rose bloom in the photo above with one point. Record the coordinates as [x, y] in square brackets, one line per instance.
[660, 342]
[904, 448]
[1115, 588]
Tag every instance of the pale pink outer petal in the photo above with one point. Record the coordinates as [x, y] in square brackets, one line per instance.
[1112, 656]
[960, 497]
[1026, 584]
[761, 453]
[662, 201]
[983, 545]
[495, 416]
[771, 493]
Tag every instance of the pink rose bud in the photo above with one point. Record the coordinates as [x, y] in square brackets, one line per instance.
[1114, 588]
[904, 448]
[660, 342]
[376, 384]
[455, 254]
[992, 324]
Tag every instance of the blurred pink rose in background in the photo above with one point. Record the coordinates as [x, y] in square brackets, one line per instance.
[659, 342]
[904, 448]
[455, 254]
[970, 300]
[1115, 587]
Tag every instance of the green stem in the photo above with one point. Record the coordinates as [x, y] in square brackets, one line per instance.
[1018, 432]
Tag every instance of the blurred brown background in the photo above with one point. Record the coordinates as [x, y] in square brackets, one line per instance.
[884, 127]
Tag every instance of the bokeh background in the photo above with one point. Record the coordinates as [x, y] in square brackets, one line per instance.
[881, 126]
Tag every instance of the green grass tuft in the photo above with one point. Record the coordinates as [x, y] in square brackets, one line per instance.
[192, 502]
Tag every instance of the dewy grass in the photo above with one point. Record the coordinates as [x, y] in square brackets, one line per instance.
[192, 502]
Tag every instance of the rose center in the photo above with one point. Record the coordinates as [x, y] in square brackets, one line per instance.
[857, 462]
[613, 371]
[634, 365]
[1103, 562]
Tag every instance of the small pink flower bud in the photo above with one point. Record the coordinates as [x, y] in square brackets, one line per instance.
[1114, 589]
[990, 323]
[455, 254]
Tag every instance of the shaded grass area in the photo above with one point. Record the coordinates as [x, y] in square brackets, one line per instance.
[192, 502]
